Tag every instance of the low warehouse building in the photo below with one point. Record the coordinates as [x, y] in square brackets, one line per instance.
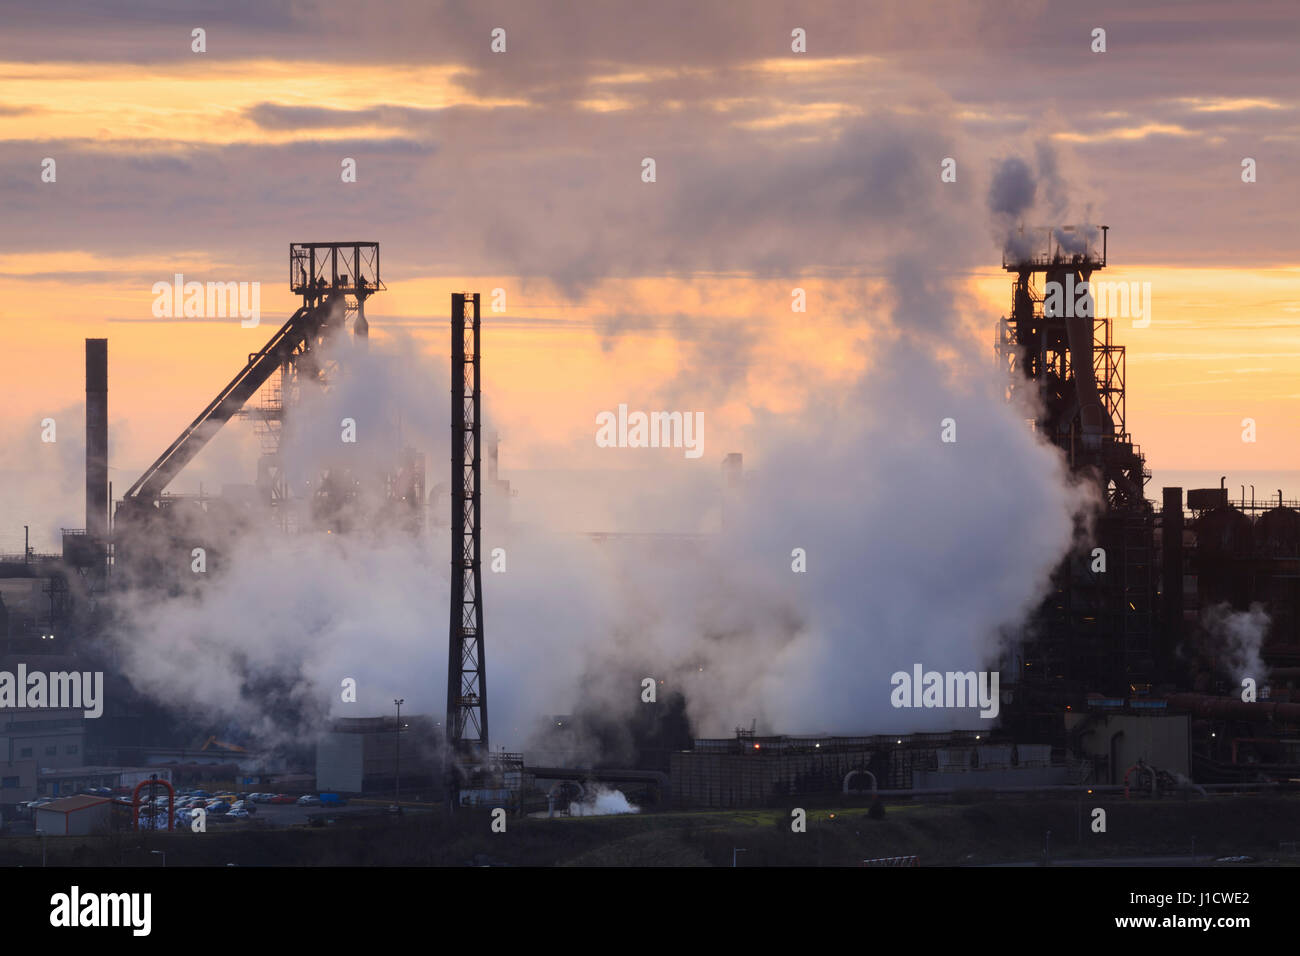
[747, 771]
[1118, 741]
[75, 816]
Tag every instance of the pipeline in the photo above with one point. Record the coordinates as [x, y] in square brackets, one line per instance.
[1230, 708]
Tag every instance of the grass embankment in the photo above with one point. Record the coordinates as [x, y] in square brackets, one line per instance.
[940, 834]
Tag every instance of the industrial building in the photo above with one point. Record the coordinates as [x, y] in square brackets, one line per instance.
[53, 783]
[17, 784]
[1095, 631]
[1116, 741]
[374, 755]
[750, 770]
[75, 816]
[1132, 633]
[1116, 668]
[54, 738]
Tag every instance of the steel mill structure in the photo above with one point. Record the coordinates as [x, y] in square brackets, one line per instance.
[334, 280]
[1120, 680]
[1095, 631]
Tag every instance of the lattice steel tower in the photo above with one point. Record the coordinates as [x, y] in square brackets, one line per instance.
[467, 718]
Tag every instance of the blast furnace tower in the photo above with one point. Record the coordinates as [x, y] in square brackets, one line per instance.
[1095, 631]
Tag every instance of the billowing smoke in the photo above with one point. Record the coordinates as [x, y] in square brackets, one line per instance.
[1013, 189]
[42, 468]
[602, 801]
[1236, 639]
[909, 517]
[885, 527]
[1077, 239]
[1023, 200]
[265, 631]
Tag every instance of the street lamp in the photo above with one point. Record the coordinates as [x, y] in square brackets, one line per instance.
[397, 755]
[41, 834]
[734, 851]
[161, 853]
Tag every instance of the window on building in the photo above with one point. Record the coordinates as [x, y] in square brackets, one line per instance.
[8, 783]
[72, 748]
[52, 751]
[25, 752]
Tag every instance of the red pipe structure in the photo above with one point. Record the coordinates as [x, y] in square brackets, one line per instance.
[1144, 769]
[135, 803]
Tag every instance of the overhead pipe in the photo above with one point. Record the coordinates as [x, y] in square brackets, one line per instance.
[1205, 705]
[852, 773]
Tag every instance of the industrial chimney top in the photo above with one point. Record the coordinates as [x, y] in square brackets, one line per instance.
[1042, 247]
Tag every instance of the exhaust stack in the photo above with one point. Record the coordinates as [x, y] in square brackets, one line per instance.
[97, 443]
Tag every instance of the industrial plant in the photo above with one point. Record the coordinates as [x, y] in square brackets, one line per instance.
[1121, 681]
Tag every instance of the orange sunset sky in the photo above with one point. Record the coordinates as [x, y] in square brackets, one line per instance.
[522, 171]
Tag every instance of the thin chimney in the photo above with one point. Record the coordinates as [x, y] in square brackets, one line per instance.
[97, 441]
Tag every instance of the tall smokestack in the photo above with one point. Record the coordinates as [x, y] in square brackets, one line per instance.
[1171, 546]
[97, 442]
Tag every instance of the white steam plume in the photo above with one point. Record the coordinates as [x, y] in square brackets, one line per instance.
[1237, 638]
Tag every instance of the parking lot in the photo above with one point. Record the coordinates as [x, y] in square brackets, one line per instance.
[266, 814]
[259, 814]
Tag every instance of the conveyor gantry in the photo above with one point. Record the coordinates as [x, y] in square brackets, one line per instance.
[307, 326]
[324, 274]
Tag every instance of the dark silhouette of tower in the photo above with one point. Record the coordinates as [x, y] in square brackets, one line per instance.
[1095, 630]
[97, 453]
[467, 718]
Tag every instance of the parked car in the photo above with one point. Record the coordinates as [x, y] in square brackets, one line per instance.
[282, 798]
[261, 797]
[332, 800]
[200, 793]
[237, 813]
[246, 806]
[217, 807]
[308, 800]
